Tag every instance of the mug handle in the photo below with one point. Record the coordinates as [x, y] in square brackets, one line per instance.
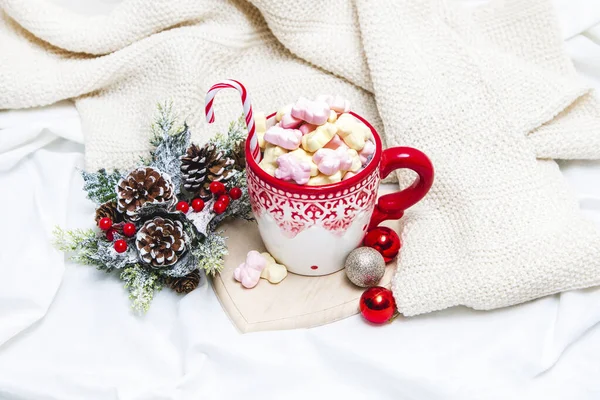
[392, 206]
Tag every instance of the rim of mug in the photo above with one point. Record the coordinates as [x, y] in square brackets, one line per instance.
[304, 189]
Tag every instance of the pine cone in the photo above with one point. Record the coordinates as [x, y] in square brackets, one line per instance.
[143, 185]
[108, 210]
[185, 284]
[160, 242]
[239, 155]
[202, 165]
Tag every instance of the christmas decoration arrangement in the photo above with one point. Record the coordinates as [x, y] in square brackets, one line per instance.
[314, 142]
[157, 225]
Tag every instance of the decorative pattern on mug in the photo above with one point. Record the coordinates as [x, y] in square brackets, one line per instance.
[293, 212]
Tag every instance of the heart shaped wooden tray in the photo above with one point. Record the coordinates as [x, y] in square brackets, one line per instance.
[296, 302]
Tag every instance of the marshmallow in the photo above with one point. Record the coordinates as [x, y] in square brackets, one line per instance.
[337, 103]
[349, 175]
[289, 122]
[352, 131]
[249, 272]
[260, 136]
[272, 152]
[269, 168]
[273, 272]
[332, 116]
[335, 142]
[291, 168]
[356, 164]
[307, 128]
[287, 138]
[319, 137]
[270, 155]
[367, 151]
[307, 158]
[313, 112]
[260, 122]
[331, 161]
[282, 111]
[323, 179]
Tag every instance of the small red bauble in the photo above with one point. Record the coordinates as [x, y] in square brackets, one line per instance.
[377, 305]
[198, 205]
[235, 193]
[105, 223]
[183, 206]
[385, 241]
[225, 199]
[129, 229]
[217, 188]
[110, 234]
[120, 246]
[219, 207]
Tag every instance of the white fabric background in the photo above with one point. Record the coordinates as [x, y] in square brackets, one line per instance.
[66, 331]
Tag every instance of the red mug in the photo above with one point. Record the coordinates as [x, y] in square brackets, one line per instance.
[312, 229]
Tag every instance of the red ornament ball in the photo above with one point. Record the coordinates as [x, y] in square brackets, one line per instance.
[198, 205]
[129, 229]
[225, 199]
[183, 206]
[105, 223]
[219, 207]
[377, 305]
[385, 241]
[120, 246]
[235, 193]
[110, 234]
[217, 188]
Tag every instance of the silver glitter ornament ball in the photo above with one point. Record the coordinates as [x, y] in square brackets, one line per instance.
[365, 267]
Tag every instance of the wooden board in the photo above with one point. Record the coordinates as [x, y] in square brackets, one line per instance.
[296, 302]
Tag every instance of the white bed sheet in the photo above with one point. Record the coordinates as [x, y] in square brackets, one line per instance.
[66, 331]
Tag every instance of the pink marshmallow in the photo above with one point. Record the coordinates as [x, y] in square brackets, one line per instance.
[287, 138]
[313, 112]
[248, 272]
[335, 143]
[307, 128]
[291, 168]
[337, 103]
[349, 175]
[366, 152]
[331, 161]
[289, 122]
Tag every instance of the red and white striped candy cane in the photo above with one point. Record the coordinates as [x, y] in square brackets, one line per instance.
[210, 114]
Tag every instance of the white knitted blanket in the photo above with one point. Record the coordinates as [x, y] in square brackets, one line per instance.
[488, 94]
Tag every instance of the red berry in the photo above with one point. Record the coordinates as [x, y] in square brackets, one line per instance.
[105, 223]
[225, 199]
[198, 205]
[129, 229]
[217, 188]
[120, 246]
[219, 207]
[235, 193]
[183, 206]
[110, 234]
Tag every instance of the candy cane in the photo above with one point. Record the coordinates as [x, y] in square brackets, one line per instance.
[210, 114]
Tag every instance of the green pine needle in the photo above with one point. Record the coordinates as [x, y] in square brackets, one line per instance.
[100, 186]
[211, 252]
[141, 283]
